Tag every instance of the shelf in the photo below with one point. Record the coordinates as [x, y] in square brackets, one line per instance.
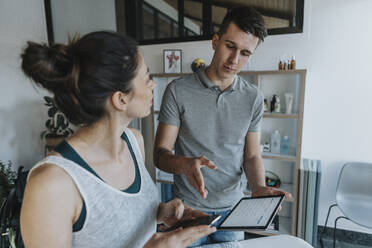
[164, 181]
[164, 177]
[280, 115]
[165, 75]
[273, 72]
[276, 156]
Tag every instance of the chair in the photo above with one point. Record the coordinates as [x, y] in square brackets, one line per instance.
[354, 195]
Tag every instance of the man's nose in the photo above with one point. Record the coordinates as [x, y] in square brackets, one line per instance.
[234, 57]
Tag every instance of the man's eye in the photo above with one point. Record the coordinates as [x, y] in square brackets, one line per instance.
[229, 46]
[246, 54]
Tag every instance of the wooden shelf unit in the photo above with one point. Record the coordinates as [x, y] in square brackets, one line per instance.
[277, 79]
[280, 115]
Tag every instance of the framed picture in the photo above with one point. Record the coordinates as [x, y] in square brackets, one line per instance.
[172, 60]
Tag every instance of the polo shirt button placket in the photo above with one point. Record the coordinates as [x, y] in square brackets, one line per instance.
[220, 100]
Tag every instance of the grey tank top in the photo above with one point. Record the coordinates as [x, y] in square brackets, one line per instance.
[114, 218]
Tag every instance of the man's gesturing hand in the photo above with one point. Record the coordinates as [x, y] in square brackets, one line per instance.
[194, 175]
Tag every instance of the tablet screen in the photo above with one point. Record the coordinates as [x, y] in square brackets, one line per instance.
[253, 213]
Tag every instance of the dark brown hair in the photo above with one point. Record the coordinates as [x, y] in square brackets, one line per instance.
[83, 73]
[247, 19]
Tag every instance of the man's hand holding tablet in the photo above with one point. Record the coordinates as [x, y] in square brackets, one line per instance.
[252, 213]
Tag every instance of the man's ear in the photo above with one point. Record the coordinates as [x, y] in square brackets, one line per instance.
[119, 100]
[215, 40]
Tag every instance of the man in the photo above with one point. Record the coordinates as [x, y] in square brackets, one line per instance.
[212, 120]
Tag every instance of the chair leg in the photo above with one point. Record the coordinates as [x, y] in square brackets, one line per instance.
[329, 211]
[325, 225]
[334, 230]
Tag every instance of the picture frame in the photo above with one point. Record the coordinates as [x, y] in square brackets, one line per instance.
[172, 60]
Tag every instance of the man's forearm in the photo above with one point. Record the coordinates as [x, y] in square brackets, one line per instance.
[165, 160]
[255, 172]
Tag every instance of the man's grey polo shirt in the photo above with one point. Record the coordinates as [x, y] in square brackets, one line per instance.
[214, 124]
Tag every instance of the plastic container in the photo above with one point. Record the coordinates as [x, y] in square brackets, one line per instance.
[275, 142]
[284, 147]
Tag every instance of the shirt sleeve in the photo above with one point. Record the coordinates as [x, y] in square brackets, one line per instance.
[257, 113]
[169, 110]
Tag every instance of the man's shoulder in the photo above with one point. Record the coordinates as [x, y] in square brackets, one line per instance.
[246, 86]
[187, 81]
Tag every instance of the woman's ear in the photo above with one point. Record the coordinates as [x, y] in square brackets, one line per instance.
[119, 100]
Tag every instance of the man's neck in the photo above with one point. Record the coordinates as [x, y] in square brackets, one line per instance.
[213, 76]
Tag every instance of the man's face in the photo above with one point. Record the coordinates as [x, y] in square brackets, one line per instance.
[232, 51]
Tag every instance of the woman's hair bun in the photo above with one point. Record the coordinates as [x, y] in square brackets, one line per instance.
[84, 73]
[48, 65]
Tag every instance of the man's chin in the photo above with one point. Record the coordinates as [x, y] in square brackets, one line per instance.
[228, 74]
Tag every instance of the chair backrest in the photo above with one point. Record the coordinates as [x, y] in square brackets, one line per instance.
[354, 192]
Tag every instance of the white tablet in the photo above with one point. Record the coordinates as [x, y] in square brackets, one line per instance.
[252, 213]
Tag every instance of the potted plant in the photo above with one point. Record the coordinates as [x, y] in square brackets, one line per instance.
[57, 125]
[7, 182]
[7, 178]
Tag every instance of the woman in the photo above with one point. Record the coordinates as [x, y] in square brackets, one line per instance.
[93, 190]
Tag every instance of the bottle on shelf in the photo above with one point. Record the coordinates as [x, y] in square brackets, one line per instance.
[293, 63]
[266, 106]
[284, 146]
[275, 142]
[266, 147]
[280, 66]
[288, 102]
[275, 104]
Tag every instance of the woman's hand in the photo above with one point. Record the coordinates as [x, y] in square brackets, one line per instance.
[179, 238]
[174, 211]
[170, 213]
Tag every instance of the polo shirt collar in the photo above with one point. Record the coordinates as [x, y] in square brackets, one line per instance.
[204, 79]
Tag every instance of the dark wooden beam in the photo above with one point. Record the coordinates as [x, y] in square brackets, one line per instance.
[49, 21]
[264, 11]
[120, 16]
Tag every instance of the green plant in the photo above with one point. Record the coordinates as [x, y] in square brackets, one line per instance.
[7, 178]
[57, 125]
[12, 188]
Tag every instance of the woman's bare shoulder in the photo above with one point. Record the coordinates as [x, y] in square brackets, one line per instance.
[52, 177]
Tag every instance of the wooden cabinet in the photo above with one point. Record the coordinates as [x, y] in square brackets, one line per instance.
[286, 166]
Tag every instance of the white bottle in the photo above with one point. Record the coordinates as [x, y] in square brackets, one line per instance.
[275, 142]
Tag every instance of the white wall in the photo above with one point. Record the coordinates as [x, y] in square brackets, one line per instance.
[21, 105]
[22, 110]
[335, 48]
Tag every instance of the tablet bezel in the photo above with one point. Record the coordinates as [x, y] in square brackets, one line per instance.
[263, 227]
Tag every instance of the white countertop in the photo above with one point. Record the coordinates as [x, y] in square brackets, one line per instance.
[277, 241]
